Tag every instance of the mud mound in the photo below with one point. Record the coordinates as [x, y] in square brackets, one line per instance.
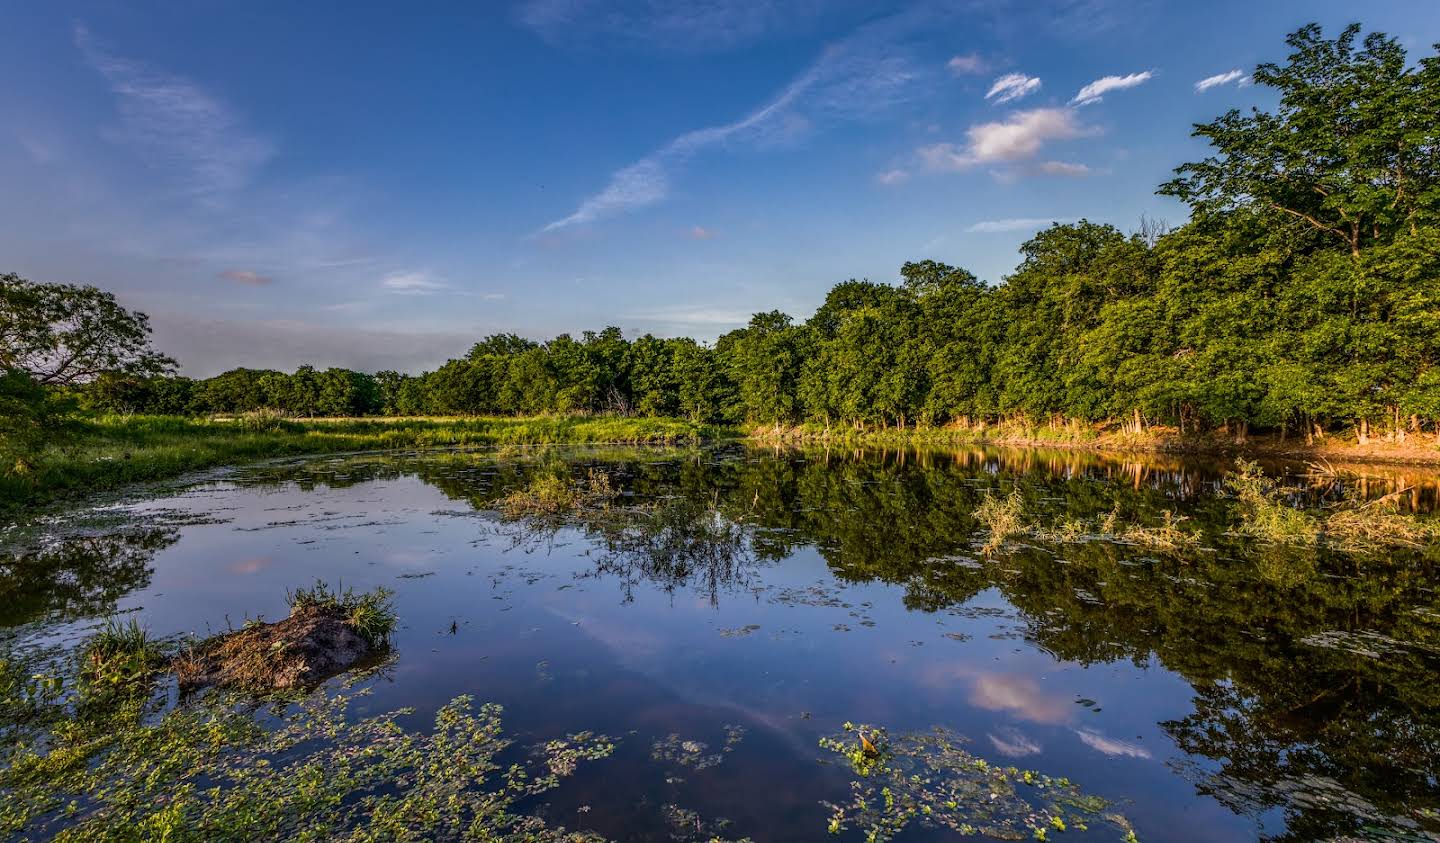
[308, 647]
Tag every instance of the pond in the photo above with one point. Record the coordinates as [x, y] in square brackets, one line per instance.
[732, 607]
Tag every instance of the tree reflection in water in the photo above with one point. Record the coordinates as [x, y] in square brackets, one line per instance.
[1313, 672]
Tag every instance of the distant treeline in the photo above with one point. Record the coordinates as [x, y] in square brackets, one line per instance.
[1302, 295]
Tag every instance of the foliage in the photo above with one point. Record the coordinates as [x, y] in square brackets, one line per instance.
[62, 334]
[33, 419]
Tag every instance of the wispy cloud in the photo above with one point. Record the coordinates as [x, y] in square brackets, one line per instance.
[245, 276]
[1013, 744]
[857, 77]
[685, 316]
[1016, 139]
[1219, 79]
[891, 178]
[1095, 91]
[178, 125]
[413, 283]
[1013, 224]
[1064, 168]
[1111, 746]
[964, 65]
[700, 232]
[1012, 86]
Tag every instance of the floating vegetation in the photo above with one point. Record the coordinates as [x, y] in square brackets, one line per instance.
[927, 779]
[691, 754]
[555, 494]
[215, 770]
[1003, 518]
[740, 631]
[687, 826]
[1265, 511]
[1006, 519]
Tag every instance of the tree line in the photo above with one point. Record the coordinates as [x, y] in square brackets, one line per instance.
[1302, 296]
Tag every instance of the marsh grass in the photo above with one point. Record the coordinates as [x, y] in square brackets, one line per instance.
[555, 493]
[121, 655]
[1267, 510]
[1006, 518]
[371, 614]
[1263, 511]
[1003, 519]
[112, 451]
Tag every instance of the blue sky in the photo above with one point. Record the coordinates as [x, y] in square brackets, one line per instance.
[378, 185]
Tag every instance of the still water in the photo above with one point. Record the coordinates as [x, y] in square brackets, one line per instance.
[751, 601]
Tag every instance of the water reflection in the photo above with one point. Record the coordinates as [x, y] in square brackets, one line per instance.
[1310, 675]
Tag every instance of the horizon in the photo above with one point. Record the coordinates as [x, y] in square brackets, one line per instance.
[373, 190]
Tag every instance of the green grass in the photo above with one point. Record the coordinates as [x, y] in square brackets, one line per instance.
[372, 614]
[121, 654]
[113, 451]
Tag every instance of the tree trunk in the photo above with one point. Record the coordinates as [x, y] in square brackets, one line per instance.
[1242, 431]
[1139, 421]
[1362, 431]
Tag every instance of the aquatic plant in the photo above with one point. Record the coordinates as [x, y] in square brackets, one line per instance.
[119, 655]
[1003, 518]
[216, 770]
[927, 779]
[1264, 511]
[554, 493]
[371, 613]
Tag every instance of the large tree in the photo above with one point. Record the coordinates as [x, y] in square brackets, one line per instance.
[1352, 153]
[66, 334]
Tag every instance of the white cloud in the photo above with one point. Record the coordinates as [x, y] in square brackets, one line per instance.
[1017, 138]
[1219, 79]
[890, 178]
[855, 77]
[412, 283]
[966, 64]
[1014, 224]
[1096, 90]
[1111, 746]
[1012, 86]
[700, 232]
[178, 125]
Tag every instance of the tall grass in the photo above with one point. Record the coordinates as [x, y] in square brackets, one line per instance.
[112, 451]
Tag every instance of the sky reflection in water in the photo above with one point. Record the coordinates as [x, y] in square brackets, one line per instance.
[788, 593]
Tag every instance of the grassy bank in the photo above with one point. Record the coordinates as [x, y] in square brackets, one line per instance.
[1416, 449]
[112, 451]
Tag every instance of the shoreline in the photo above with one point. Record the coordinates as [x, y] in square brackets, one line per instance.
[120, 451]
[1419, 451]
